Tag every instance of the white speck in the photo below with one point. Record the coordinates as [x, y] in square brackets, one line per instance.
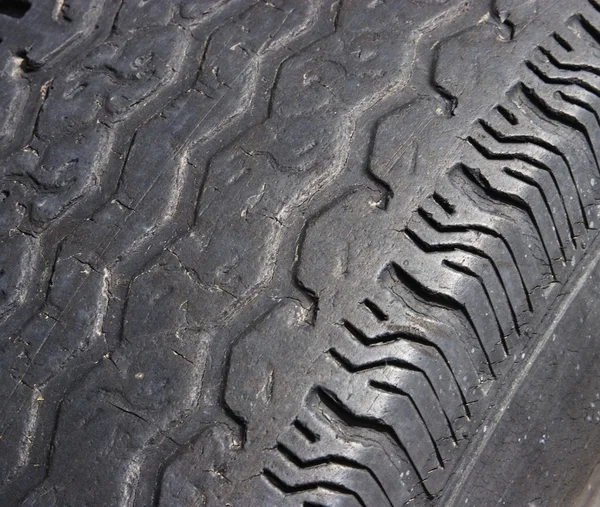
[484, 18]
[484, 428]
[139, 375]
[593, 182]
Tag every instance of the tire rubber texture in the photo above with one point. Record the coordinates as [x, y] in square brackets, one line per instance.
[328, 252]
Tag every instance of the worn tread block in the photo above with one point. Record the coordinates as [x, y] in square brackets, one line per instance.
[496, 192]
[280, 253]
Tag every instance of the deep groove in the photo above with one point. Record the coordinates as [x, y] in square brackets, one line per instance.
[482, 187]
[487, 153]
[477, 179]
[531, 181]
[507, 115]
[331, 401]
[572, 67]
[488, 232]
[571, 81]
[287, 489]
[563, 118]
[415, 238]
[329, 459]
[580, 103]
[443, 301]
[410, 337]
[589, 28]
[231, 415]
[565, 67]
[444, 203]
[306, 432]
[562, 42]
[356, 368]
[391, 389]
[469, 272]
[375, 310]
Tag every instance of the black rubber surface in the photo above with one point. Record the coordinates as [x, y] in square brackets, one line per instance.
[298, 253]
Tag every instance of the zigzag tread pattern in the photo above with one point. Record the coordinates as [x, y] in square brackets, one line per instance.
[458, 293]
[131, 262]
[142, 83]
[144, 253]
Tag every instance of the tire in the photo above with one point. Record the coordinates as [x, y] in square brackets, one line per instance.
[299, 253]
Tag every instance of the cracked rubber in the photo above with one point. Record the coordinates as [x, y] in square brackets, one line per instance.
[318, 253]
